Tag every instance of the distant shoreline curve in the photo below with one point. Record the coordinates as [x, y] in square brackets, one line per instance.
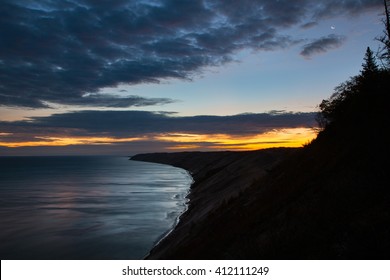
[217, 177]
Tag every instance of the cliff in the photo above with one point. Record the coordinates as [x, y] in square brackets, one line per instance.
[258, 206]
[328, 200]
[218, 178]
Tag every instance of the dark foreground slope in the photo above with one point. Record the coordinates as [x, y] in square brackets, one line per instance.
[219, 177]
[328, 200]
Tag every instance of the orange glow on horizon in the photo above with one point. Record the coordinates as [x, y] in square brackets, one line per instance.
[287, 137]
[67, 141]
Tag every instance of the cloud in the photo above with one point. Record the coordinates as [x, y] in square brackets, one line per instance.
[114, 101]
[331, 8]
[116, 132]
[125, 124]
[309, 25]
[322, 45]
[62, 51]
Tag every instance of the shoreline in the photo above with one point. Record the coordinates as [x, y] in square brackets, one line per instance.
[177, 219]
[217, 178]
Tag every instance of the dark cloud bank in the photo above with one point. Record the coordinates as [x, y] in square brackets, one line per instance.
[122, 124]
[61, 51]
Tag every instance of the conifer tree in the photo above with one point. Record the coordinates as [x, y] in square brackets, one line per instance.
[369, 65]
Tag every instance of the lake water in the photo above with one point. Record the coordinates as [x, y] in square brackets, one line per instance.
[86, 207]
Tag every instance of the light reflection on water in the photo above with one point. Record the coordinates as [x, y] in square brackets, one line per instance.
[86, 207]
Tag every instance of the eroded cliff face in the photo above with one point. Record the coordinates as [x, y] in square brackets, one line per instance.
[219, 177]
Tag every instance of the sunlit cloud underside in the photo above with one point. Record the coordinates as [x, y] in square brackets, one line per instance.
[286, 137]
[67, 141]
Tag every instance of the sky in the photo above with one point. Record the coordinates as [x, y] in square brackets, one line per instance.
[120, 77]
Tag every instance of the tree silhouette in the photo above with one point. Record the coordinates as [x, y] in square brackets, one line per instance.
[335, 107]
[369, 66]
[347, 93]
[384, 51]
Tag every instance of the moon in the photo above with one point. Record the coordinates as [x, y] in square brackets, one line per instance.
[332, 27]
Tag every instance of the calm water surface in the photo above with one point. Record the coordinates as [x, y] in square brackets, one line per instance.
[86, 207]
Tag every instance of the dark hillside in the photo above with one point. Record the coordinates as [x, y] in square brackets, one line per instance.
[328, 200]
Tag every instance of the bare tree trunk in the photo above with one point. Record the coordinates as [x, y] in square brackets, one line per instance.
[384, 52]
[387, 21]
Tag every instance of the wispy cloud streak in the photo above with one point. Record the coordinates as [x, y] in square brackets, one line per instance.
[322, 45]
